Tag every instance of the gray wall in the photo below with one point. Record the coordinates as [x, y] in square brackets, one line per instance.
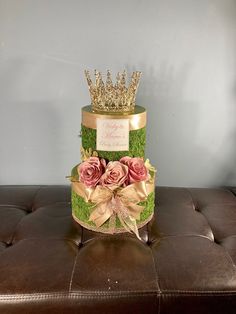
[186, 50]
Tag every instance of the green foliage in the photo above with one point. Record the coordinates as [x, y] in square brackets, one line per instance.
[82, 210]
[137, 139]
[149, 205]
[74, 172]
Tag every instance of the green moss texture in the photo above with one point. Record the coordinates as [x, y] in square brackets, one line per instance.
[82, 210]
[137, 139]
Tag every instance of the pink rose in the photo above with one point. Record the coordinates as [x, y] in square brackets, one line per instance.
[115, 175]
[91, 170]
[125, 160]
[137, 169]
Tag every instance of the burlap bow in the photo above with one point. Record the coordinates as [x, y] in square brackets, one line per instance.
[122, 202]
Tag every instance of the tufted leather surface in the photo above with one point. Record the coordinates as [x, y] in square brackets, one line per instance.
[185, 263]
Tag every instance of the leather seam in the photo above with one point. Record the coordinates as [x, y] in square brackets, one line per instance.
[123, 294]
[184, 235]
[227, 255]
[194, 204]
[34, 197]
[75, 295]
[202, 293]
[72, 272]
[157, 281]
[31, 211]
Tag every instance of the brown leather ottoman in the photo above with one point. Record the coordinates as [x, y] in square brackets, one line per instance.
[185, 264]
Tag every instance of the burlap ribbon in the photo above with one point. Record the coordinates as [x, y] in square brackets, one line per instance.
[123, 202]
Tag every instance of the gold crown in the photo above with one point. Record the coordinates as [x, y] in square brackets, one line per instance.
[117, 98]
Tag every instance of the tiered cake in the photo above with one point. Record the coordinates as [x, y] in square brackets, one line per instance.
[113, 186]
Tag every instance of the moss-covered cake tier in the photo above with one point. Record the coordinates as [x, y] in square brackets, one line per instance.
[81, 211]
[137, 132]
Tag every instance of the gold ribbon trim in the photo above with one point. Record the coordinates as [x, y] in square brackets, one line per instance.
[107, 230]
[121, 202]
[137, 120]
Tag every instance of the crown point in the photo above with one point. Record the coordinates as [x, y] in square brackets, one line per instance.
[87, 75]
[109, 80]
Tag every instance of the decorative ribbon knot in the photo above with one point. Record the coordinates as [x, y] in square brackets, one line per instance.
[122, 202]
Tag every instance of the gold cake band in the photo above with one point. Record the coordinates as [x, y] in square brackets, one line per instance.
[107, 230]
[137, 119]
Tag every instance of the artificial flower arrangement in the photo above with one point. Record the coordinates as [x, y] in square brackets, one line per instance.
[114, 189]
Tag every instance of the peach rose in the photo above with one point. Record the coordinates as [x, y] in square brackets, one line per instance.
[91, 170]
[137, 169]
[115, 175]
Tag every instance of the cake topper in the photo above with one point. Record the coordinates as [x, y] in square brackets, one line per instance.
[113, 98]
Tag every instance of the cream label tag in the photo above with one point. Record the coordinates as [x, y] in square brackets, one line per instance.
[112, 134]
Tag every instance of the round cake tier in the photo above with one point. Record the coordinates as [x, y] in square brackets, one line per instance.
[136, 129]
[81, 211]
